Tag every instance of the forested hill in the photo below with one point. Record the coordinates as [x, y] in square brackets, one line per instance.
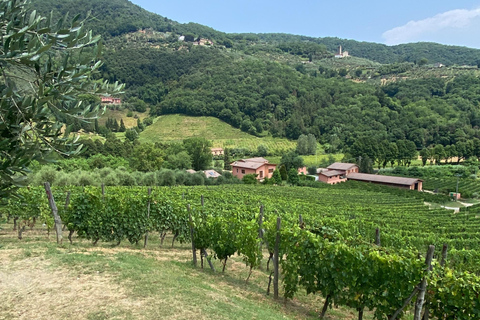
[411, 52]
[286, 85]
[116, 17]
[112, 18]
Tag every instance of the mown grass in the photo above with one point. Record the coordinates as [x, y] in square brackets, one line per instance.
[162, 281]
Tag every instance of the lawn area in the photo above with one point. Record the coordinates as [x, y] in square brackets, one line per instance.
[177, 127]
[41, 280]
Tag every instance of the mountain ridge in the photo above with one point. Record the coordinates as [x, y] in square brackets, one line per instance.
[125, 16]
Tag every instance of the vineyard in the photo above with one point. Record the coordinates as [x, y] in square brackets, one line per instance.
[466, 187]
[359, 247]
[168, 128]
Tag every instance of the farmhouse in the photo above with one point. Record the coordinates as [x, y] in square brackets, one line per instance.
[332, 176]
[217, 151]
[345, 168]
[111, 100]
[340, 172]
[259, 166]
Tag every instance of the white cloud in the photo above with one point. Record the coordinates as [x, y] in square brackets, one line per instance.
[445, 27]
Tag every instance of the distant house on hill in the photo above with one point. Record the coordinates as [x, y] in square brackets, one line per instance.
[111, 100]
[340, 172]
[217, 151]
[341, 54]
[259, 166]
[203, 42]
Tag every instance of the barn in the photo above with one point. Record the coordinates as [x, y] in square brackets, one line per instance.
[399, 182]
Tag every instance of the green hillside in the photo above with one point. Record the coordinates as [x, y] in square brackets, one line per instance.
[286, 85]
[179, 127]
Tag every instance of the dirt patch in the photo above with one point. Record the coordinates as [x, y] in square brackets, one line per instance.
[31, 289]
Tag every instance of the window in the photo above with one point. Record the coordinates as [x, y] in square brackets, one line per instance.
[270, 170]
[237, 170]
[243, 171]
[261, 174]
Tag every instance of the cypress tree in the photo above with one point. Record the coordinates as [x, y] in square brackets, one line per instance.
[115, 126]
[227, 159]
[122, 126]
[283, 172]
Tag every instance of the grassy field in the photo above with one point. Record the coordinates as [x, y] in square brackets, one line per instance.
[178, 127]
[129, 122]
[40, 280]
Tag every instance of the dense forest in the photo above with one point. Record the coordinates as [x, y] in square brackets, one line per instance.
[287, 85]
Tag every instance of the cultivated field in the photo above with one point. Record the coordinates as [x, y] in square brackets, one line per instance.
[177, 127]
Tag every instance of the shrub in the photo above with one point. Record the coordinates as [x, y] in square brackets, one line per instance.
[250, 179]
[149, 179]
[46, 174]
[166, 177]
[88, 179]
[181, 177]
[66, 179]
[125, 178]
[111, 180]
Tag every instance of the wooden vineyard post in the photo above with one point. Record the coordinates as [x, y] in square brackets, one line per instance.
[423, 285]
[205, 254]
[444, 255]
[56, 217]
[301, 224]
[148, 217]
[202, 200]
[276, 260]
[260, 223]
[67, 200]
[377, 237]
[103, 191]
[194, 251]
[70, 231]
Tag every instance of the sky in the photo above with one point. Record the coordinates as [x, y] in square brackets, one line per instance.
[389, 22]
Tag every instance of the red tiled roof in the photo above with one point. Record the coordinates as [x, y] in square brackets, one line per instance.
[252, 163]
[331, 173]
[341, 166]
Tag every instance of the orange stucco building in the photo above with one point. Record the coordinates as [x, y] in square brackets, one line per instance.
[259, 166]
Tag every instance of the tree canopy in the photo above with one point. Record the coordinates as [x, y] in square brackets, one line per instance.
[45, 67]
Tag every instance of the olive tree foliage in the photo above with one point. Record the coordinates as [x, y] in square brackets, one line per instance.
[44, 66]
